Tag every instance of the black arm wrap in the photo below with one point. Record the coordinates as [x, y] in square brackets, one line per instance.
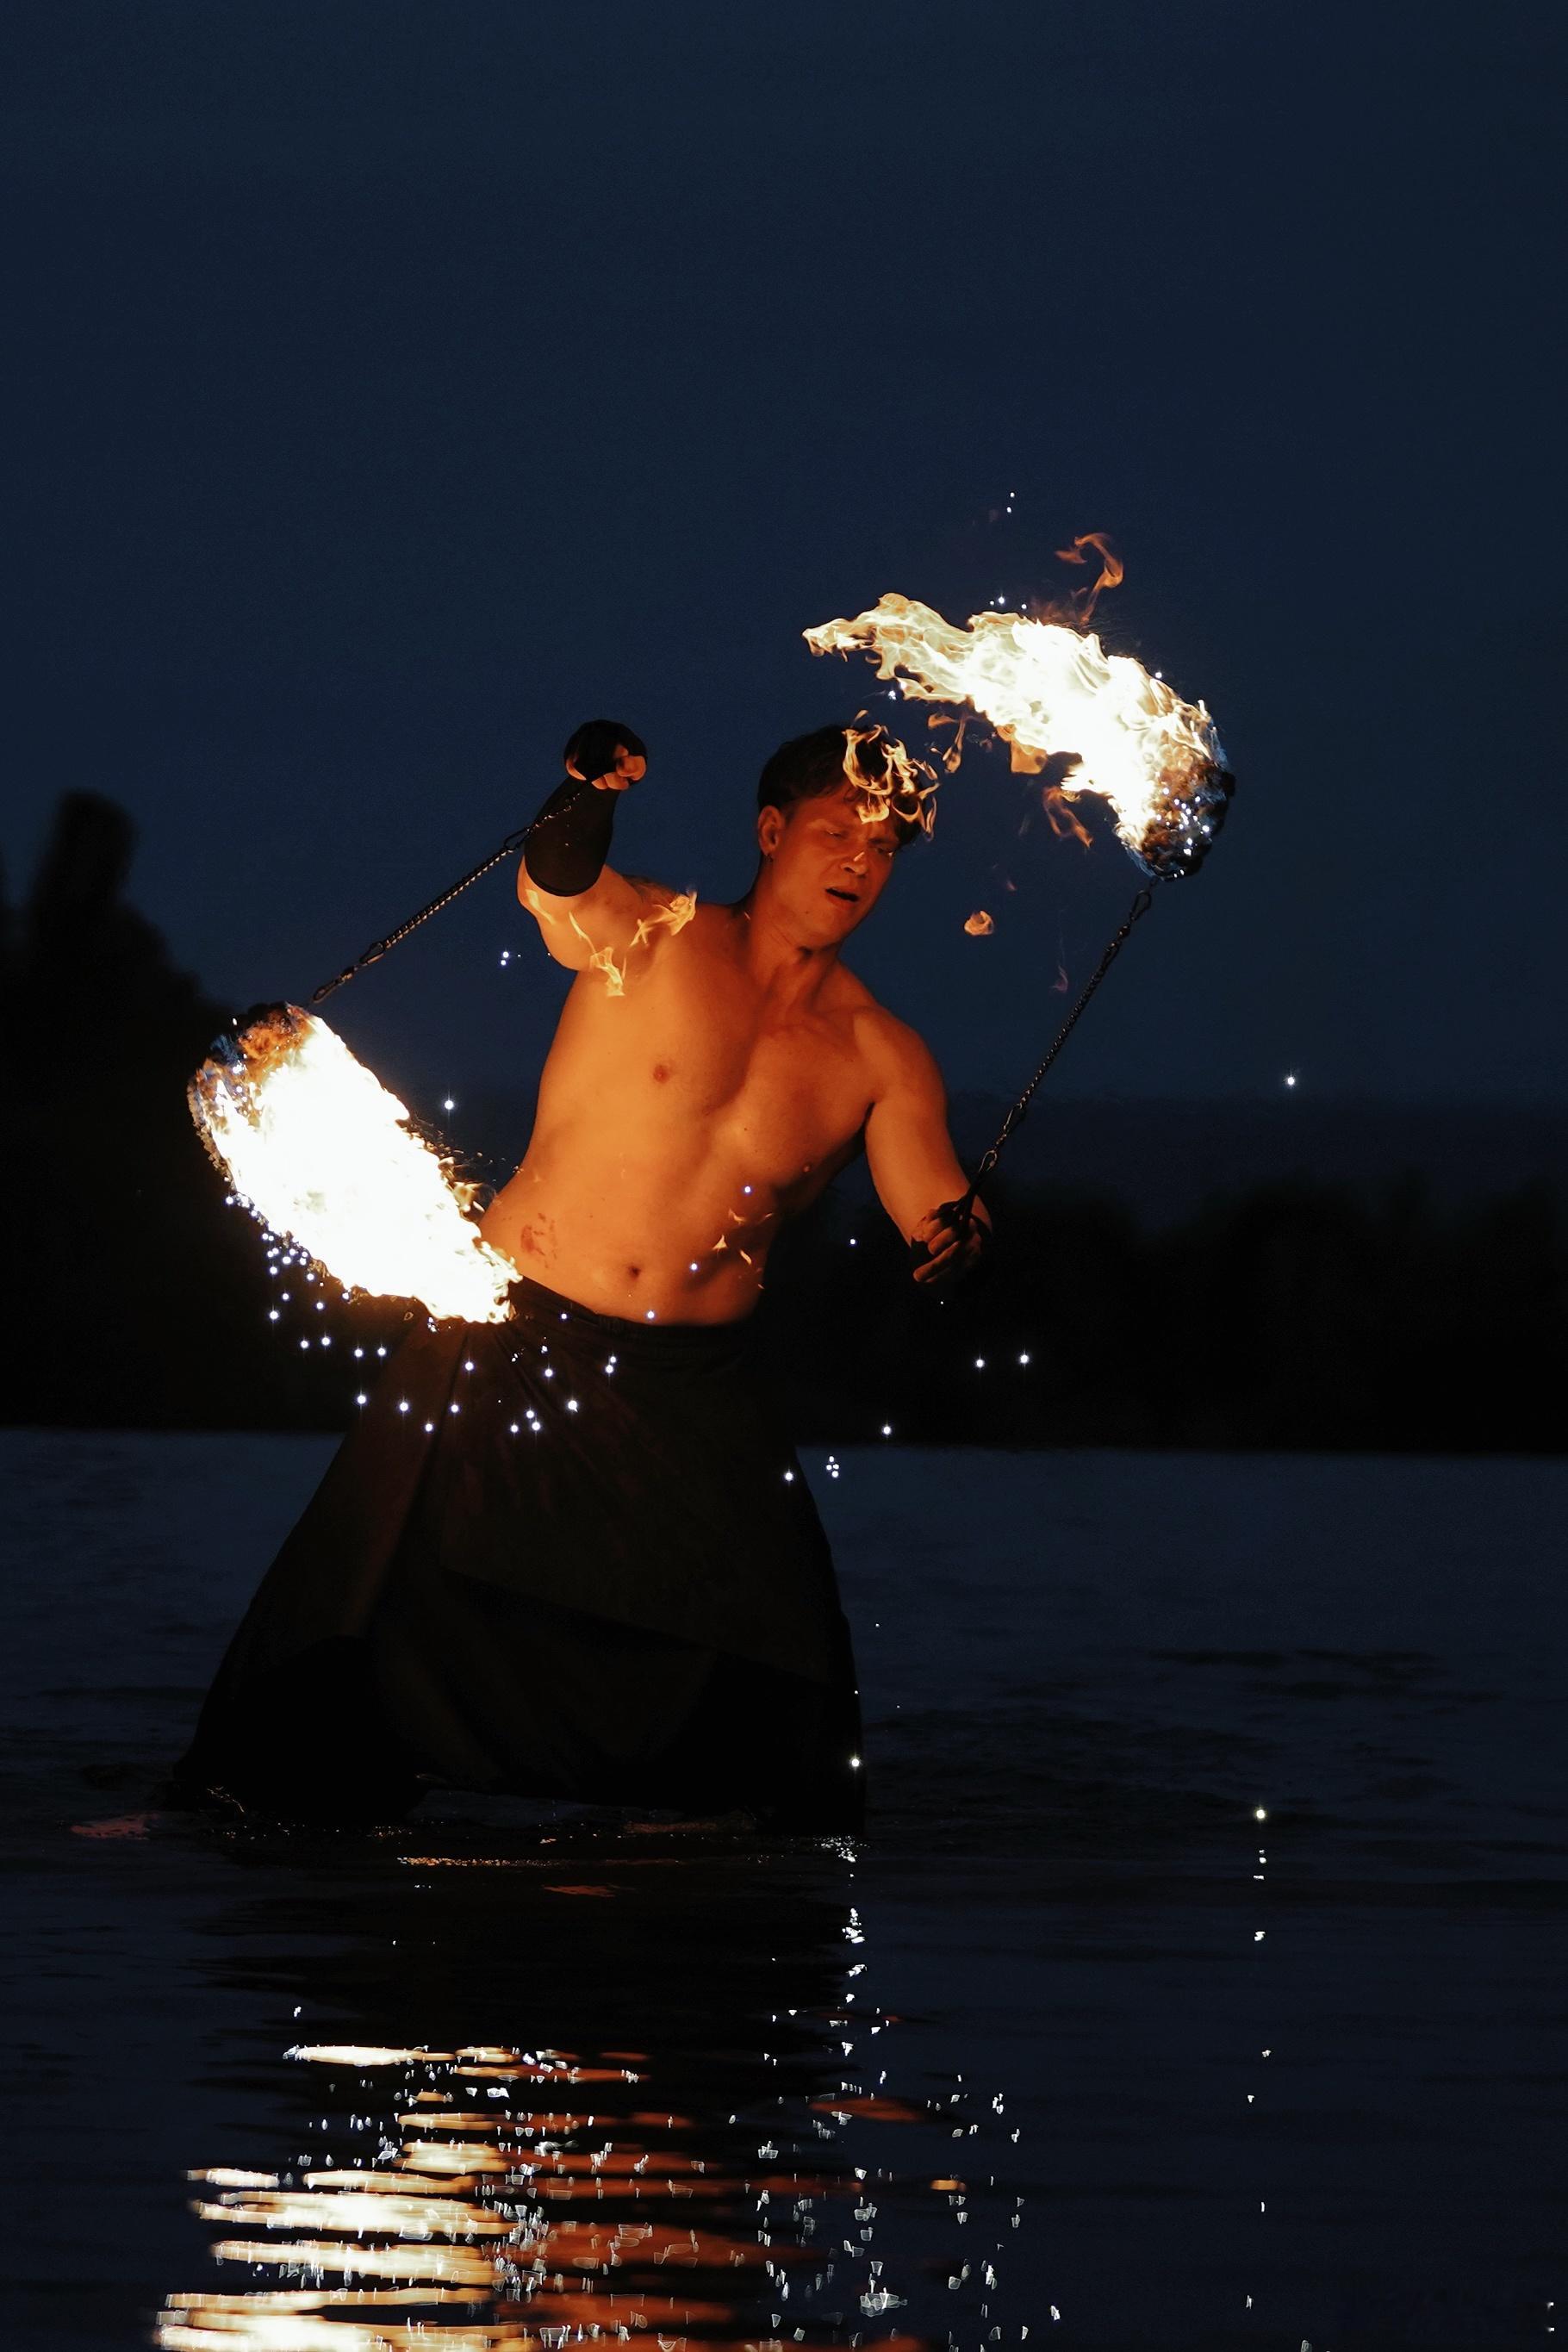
[565, 847]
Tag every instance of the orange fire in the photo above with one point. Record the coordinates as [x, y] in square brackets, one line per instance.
[1053, 693]
[324, 1155]
[890, 780]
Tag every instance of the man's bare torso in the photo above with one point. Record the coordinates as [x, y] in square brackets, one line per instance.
[685, 1113]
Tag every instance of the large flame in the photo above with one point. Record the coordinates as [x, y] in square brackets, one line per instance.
[1053, 692]
[319, 1150]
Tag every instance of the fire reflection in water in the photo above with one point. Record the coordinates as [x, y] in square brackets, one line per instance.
[482, 2199]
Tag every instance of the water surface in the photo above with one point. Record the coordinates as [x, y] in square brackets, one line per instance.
[1199, 1982]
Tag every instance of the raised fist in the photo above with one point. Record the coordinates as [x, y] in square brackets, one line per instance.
[606, 753]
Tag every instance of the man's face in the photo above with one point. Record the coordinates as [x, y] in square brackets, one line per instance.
[829, 867]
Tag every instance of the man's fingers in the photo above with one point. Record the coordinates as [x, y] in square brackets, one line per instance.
[628, 769]
[941, 1244]
[949, 1249]
[604, 748]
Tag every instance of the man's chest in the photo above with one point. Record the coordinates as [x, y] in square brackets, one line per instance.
[784, 1087]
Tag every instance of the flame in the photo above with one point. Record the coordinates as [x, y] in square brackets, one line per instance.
[320, 1151]
[891, 781]
[601, 960]
[675, 914]
[1052, 691]
[980, 925]
[1112, 571]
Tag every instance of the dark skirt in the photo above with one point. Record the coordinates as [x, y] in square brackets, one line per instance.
[564, 1557]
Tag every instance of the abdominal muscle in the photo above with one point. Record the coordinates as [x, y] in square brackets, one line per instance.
[665, 1159]
[653, 1232]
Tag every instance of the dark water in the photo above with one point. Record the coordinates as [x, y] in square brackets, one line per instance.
[1200, 1982]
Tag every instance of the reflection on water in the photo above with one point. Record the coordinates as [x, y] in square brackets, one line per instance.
[763, 2179]
[1071, 1726]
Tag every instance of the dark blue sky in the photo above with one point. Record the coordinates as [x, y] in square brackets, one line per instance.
[392, 387]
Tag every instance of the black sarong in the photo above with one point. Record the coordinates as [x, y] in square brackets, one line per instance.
[564, 1556]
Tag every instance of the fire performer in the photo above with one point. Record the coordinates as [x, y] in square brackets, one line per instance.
[572, 1554]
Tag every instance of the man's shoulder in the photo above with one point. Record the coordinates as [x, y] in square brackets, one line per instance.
[666, 912]
[895, 1053]
[703, 914]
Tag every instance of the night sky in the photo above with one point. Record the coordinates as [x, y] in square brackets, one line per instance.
[392, 387]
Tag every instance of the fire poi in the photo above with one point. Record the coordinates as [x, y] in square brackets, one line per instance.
[323, 1155]
[1053, 693]
[322, 1152]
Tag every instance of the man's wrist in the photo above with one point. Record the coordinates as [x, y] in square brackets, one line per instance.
[565, 847]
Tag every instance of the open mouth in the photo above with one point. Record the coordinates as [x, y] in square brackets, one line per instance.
[848, 897]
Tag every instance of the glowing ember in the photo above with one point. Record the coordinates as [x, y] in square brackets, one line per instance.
[318, 1149]
[1053, 692]
[980, 925]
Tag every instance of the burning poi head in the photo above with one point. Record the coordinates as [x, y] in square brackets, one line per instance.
[320, 1152]
[1052, 692]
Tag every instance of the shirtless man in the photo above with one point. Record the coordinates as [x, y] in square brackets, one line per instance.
[715, 1066]
[572, 1554]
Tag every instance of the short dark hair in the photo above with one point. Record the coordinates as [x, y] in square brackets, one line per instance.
[809, 766]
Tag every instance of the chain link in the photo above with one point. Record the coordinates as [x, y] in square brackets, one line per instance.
[1018, 1111]
[378, 948]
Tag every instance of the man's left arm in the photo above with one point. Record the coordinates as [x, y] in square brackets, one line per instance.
[913, 1164]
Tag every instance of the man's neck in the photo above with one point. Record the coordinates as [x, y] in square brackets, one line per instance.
[774, 957]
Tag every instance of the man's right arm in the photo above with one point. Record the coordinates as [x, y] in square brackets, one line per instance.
[587, 913]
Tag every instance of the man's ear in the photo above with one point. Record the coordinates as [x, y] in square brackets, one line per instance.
[769, 830]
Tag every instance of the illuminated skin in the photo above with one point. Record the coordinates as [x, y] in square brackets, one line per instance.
[682, 1122]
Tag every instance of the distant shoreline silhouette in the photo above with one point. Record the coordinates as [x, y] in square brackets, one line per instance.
[1290, 1315]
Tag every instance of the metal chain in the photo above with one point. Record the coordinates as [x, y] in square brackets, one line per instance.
[1019, 1110]
[378, 948]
